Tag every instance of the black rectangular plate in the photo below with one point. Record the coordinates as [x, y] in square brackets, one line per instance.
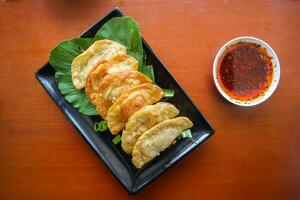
[113, 155]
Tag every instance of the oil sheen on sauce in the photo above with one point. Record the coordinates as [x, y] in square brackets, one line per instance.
[245, 71]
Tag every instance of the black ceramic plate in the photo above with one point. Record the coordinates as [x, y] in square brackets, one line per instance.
[112, 155]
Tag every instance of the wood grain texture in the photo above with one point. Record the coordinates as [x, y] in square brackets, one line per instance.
[254, 154]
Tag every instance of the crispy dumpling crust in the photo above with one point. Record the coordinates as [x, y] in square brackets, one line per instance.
[114, 86]
[119, 63]
[144, 119]
[127, 104]
[99, 52]
[157, 139]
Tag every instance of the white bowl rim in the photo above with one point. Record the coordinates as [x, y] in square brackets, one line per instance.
[276, 66]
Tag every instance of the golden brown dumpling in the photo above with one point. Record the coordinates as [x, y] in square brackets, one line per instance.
[99, 52]
[157, 139]
[114, 86]
[127, 104]
[144, 119]
[119, 63]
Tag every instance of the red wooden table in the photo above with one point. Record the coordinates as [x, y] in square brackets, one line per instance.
[255, 153]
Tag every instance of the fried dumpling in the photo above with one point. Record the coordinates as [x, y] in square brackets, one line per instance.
[119, 63]
[157, 139]
[99, 52]
[128, 103]
[114, 86]
[144, 119]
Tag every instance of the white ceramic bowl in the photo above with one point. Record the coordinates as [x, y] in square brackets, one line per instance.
[276, 76]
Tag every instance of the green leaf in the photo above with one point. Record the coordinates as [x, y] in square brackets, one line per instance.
[116, 139]
[61, 58]
[125, 31]
[148, 71]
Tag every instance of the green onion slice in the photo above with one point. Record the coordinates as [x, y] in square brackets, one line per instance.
[100, 126]
[116, 139]
[187, 133]
[168, 92]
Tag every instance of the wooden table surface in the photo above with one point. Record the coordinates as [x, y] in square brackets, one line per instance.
[255, 153]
